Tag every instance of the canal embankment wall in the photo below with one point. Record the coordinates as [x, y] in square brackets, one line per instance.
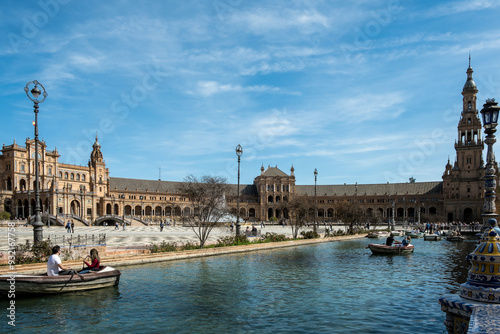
[145, 257]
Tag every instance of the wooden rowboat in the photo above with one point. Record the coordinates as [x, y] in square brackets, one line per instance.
[432, 237]
[43, 284]
[380, 234]
[415, 235]
[383, 249]
[455, 238]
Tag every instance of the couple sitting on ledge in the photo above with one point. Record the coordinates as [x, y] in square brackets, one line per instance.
[56, 268]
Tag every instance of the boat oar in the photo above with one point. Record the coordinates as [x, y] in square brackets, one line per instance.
[73, 272]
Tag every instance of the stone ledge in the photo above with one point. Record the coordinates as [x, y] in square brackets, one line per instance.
[134, 259]
[483, 318]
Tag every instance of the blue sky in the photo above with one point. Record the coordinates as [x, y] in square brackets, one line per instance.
[364, 91]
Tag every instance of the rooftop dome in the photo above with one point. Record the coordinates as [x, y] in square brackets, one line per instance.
[470, 85]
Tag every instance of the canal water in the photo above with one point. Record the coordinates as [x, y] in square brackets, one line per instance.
[336, 287]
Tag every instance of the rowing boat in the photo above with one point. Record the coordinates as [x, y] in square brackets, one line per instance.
[383, 249]
[42, 284]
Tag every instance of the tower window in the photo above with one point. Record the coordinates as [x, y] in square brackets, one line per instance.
[470, 105]
[469, 160]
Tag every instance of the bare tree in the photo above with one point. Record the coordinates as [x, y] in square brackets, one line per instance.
[349, 213]
[297, 208]
[207, 196]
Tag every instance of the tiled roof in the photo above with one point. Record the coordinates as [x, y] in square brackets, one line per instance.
[167, 186]
[420, 188]
[143, 185]
[386, 189]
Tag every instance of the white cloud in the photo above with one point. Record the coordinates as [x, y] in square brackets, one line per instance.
[208, 88]
[266, 20]
[370, 106]
[456, 7]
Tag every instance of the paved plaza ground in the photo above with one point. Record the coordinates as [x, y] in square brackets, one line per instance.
[133, 237]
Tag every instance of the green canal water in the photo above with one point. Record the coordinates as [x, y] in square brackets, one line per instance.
[336, 287]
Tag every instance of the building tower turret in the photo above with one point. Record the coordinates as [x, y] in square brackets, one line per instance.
[462, 185]
[98, 172]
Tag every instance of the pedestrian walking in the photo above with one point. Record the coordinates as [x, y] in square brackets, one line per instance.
[116, 226]
[72, 227]
[161, 226]
[68, 227]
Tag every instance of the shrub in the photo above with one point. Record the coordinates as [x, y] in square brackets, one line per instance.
[273, 237]
[189, 245]
[35, 253]
[232, 241]
[4, 215]
[309, 234]
[163, 247]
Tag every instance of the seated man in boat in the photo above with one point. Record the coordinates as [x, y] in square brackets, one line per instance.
[96, 261]
[54, 264]
[390, 240]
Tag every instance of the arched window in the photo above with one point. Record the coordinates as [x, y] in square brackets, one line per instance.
[66, 175]
[60, 175]
[78, 177]
[72, 176]
[83, 177]
[22, 185]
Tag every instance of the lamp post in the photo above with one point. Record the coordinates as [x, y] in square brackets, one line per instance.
[393, 221]
[356, 204]
[490, 119]
[123, 207]
[35, 93]
[239, 152]
[315, 202]
[57, 205]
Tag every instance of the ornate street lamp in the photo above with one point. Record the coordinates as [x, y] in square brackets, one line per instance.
[239, 152]
[315, 202]
[490, 119]
[35, 93]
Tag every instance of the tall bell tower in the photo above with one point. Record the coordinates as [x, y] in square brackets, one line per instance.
[462, 182]
[98, 171]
